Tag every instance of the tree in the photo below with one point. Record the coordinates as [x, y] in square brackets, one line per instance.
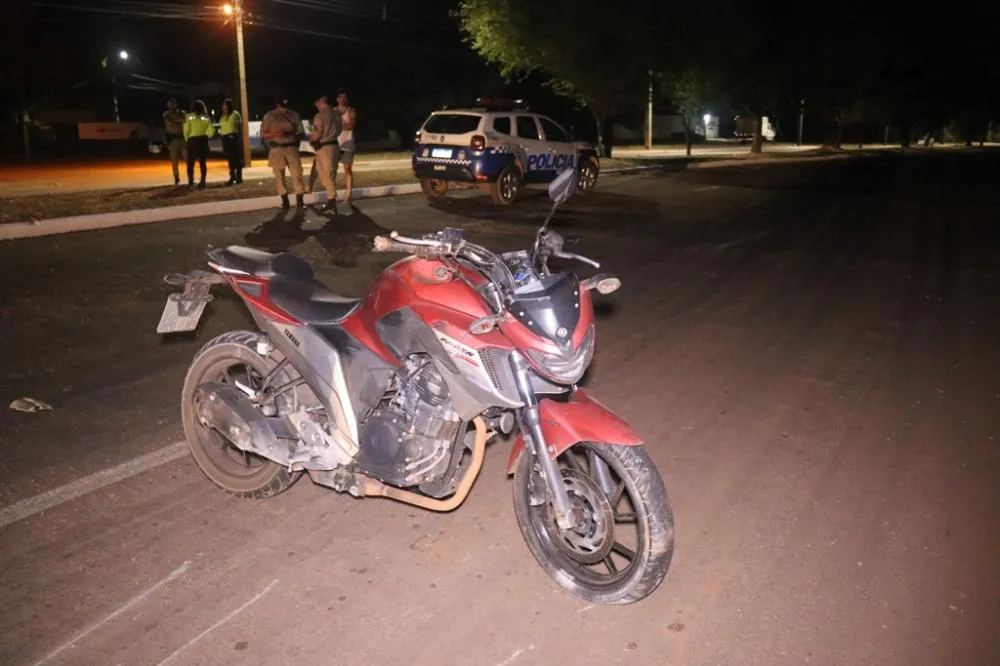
[587, 50]
[689, 91]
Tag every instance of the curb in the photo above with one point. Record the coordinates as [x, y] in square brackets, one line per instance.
[762, 161]
[63, 225]
[631, 169]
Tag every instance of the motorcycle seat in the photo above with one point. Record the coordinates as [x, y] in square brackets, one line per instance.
[261, 264]
[310, 301]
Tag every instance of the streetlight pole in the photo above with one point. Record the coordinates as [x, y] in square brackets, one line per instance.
[236, 10]
[802, 119]
[649, 114]
[123, 56]
[114, 96]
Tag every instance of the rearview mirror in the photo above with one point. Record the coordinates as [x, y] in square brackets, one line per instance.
[563, 186]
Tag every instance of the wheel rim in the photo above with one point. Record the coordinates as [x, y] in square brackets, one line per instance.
[226, 457]
[508, 185]
[588, 177]
[606, 545]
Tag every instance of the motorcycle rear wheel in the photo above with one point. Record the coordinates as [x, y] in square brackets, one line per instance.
[621, 551]
[232, 355]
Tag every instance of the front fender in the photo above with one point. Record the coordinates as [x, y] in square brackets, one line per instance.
[582, 419]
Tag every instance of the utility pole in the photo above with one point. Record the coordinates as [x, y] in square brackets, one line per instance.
[122, 58]
[802, 119]
[114, 96]
[649, 114]
[236, 11]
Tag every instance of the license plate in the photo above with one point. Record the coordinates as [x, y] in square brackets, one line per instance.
[439, 167]
[441, 152]
[180, 315]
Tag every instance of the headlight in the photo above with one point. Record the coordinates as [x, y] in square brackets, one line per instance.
[567, 367]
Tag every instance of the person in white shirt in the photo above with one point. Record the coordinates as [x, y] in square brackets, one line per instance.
[348, 118]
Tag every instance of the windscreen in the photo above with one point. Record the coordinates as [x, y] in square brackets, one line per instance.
[553, 307]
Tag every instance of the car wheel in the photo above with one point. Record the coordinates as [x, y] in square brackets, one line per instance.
[505, 189]
[434, 188]
[588, 176]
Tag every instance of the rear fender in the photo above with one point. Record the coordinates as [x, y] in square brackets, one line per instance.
[582, 419]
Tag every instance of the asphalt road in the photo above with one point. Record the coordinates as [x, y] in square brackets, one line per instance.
[809, 349]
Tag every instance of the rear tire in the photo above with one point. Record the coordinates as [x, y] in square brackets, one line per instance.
[505, 188]
[577, 560]
[238, 473]
[433, 188]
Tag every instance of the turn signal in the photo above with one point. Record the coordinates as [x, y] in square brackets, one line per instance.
[484, 325]
[603, 283]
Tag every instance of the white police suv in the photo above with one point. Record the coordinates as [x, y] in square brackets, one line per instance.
[497, 145]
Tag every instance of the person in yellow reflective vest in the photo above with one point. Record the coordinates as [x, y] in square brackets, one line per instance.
[231, 130]
[197, 131]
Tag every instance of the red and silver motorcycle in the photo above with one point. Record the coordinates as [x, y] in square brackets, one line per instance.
[397, 394]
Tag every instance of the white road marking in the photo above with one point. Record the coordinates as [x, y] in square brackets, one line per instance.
[221, 622]
[722, 247]
[177, 573]
[88, 484]
[707, 189]
[515, 655]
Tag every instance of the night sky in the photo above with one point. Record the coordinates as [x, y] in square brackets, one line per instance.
[382, 61]
[400, 58]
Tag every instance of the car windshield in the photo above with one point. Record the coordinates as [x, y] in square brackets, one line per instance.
[451, 123]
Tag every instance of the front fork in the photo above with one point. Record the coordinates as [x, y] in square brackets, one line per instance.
[529, 417]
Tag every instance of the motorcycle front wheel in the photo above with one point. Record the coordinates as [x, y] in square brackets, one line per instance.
[620, 548]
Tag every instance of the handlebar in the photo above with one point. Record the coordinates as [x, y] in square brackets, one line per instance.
[576, 257]
[383, 244]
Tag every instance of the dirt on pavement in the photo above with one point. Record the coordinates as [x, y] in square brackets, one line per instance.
[809, 350]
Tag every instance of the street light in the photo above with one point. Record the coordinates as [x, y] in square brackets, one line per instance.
[123, 56]
[235, 10]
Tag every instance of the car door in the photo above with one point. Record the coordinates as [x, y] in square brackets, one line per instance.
[561, 149]
[529, 137]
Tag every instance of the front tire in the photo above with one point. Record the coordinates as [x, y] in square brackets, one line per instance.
[232, 357]
[602, 560]
[505, 188]
[589, 171]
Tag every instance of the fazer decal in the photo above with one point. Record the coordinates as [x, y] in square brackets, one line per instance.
[465, 357]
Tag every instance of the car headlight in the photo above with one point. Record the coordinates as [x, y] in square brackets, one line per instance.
[567, 367]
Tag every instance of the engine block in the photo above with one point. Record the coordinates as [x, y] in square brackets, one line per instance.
[408, 440]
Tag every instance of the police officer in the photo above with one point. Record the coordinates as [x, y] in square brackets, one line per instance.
[282, 129]
[198, 130]
[173, 137]
[326, 127]
[231, 130]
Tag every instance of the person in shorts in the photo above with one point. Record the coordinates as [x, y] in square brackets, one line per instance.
[348, 117]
